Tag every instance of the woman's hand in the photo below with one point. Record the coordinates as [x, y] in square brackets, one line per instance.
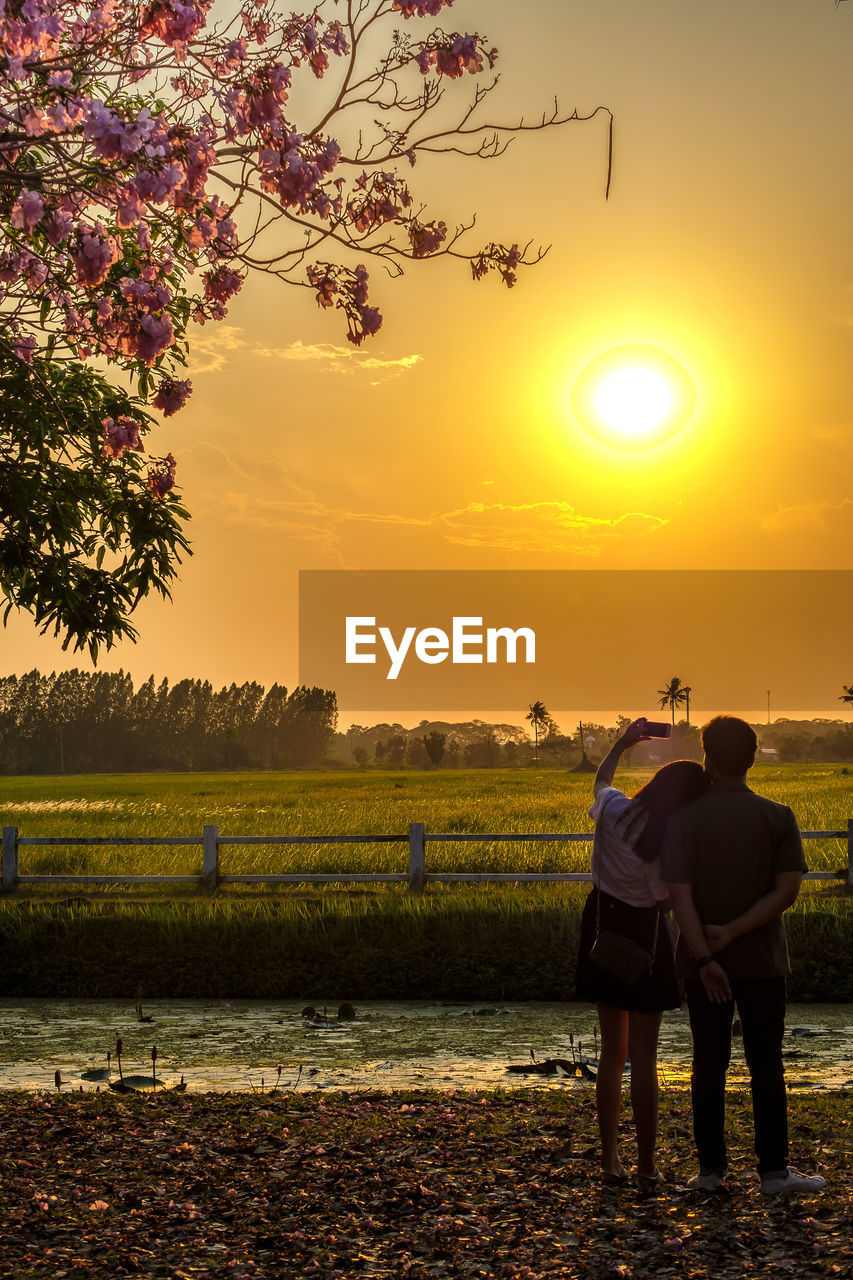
[636, 732]
[719, 936]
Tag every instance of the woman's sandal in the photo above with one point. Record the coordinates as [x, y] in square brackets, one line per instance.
[615, 1179]
[650, 1182]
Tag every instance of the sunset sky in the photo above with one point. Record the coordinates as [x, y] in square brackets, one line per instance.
[448, 441]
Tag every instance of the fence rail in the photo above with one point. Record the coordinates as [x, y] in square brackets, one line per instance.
[416, 876]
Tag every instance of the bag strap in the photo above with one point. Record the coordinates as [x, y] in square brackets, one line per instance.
[597, 888]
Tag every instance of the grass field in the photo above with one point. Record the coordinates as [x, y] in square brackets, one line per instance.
[358, 803]
[362, 941]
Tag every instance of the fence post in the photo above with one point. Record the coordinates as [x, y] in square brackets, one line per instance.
[10, 857]
[850, 855]
[210, 858]
[416, 855]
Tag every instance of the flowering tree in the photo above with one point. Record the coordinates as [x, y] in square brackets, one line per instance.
[149, 160]
[65, 509]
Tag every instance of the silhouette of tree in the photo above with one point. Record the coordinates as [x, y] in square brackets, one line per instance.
[434, 743]
[673, 695]
[687, 692]
[543, 722]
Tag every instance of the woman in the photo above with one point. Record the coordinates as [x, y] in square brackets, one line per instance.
[629, 898]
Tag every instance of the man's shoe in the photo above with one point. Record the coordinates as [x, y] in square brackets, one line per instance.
[791, 1183]
[707, 1180]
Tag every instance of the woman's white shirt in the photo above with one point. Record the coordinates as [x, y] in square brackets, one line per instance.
[617, 868]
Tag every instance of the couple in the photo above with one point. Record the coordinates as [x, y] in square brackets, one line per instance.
[728, 862]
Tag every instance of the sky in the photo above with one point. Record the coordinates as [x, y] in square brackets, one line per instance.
[449, 440]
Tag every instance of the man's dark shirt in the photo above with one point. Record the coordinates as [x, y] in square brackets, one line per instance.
[729, 845]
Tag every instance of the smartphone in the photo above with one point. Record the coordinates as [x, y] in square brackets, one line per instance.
[658, 729]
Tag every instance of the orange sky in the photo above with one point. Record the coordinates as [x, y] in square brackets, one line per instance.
[448, 441]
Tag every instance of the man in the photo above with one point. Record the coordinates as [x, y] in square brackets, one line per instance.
[733, 861]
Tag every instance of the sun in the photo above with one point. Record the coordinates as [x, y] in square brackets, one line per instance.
[633, 397]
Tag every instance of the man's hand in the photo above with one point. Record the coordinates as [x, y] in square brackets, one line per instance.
[719, 936]
[715, 981]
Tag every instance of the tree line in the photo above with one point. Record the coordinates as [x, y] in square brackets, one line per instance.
[81, 722]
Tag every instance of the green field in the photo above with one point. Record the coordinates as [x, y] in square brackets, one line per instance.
[494, 942]
[357, 803]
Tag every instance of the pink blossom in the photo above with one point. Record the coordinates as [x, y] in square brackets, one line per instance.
[235, 55]
[34, 270]
[171, 396]
[319, 62]
[425, 238]
[120, 435]
[156, 334]
[425, 58]
[335, 40]
[174, 23]
[420, 8]
[129, 208]
[58, 227]
[146, 295]
[96, 253]
[371, 322]
[359, 292]
[112, 137]
[325, 285]
[27, 210]
[35, 124]
[10, 266]
[161, 477]
[221, 284]
[24, 348]
[64, 116]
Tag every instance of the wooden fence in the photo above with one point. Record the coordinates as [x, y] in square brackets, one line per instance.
[416, 876]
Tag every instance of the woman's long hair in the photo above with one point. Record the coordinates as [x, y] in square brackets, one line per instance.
[675, 784]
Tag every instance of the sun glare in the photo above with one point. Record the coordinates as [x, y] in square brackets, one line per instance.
[633, 397]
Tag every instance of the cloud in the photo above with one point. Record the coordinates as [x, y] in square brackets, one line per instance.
[521, 527]
[337, 359]
[806, 516]
[216, 345]
[539, 527]
[836, 435]
[231, 463]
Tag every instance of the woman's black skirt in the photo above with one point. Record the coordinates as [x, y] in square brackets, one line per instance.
[657, 990]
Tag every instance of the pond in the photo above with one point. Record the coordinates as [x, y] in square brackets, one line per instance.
[240, 1044]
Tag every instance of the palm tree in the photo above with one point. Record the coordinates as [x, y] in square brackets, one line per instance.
[674, 694]
[847, 695]
[687, 692]
[540, 717]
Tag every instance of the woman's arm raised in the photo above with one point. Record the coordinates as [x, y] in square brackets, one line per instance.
[633, 734]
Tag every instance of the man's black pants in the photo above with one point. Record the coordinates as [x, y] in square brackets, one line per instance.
[761, 1006]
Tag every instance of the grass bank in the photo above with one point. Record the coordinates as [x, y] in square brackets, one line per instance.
[415, 1185]
[495, 943]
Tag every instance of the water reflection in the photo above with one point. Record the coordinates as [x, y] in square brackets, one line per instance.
[240, 1044]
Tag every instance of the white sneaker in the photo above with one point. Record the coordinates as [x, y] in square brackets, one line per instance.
[791, 1184]
[707, 1180]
